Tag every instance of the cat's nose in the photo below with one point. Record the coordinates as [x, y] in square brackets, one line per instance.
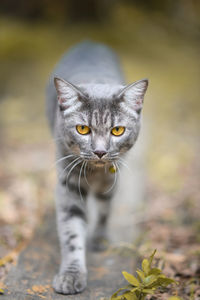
[100, 154]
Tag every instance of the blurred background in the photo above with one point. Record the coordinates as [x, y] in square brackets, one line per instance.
[155, 39]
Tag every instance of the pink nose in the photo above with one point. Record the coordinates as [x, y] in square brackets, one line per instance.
[100, 154]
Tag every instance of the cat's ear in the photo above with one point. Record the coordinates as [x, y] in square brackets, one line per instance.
[133, 95]
[68, 94]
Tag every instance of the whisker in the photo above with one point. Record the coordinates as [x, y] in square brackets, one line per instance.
[118, 169]
[85, 169]
[125, 165]
[73, 168]
[79, 181]
[115, 155]
[122, 159]
[115, 179]
[68, 166]
[62, 158]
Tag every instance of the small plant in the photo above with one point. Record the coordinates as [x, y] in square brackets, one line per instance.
[148, 280]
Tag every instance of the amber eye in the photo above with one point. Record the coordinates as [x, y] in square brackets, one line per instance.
[118, 130]
[83, 129]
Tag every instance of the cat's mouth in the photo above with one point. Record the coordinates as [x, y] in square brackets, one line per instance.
[100, 162]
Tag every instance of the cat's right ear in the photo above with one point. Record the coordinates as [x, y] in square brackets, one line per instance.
[68, 94]
[132, 95]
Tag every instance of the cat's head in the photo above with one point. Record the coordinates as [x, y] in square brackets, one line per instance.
[99, 122]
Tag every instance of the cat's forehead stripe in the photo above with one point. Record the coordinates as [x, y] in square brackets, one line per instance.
[95, 118]
[106, 115]
[101, 118]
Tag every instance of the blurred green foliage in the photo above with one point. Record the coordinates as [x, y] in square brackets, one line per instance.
[94, 10]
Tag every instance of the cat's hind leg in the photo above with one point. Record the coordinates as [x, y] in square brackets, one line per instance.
[99, 238]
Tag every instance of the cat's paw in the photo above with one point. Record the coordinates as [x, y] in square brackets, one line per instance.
[98, 243]
[70, 283]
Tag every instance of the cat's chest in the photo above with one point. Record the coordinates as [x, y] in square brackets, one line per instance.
[94, 176]
[99, 178]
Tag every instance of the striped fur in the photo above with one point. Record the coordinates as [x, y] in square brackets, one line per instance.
[89, 90]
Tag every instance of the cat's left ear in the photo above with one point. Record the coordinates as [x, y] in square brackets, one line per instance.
[69, 96]
[133, 94]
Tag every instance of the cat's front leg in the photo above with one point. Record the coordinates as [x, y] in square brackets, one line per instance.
[71, 222]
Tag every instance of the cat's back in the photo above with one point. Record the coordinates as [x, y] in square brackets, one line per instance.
[90, 62]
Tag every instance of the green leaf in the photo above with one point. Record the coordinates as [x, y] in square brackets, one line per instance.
[133, 290]
[149, 280]
[130, 296]
[145, 266]
[116, 298]
[152, 257]
[164, 281]
[131, 279]
[140, 274]
[155, 271]
[162, 276]
[113, 297]
[127, 287]
[148, 291]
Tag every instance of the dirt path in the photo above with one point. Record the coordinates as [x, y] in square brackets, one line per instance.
[31, 278]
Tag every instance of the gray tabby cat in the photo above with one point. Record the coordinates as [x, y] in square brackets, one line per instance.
[95, 120]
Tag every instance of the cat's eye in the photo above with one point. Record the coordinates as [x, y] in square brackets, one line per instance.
[118, 130]
[83, 129]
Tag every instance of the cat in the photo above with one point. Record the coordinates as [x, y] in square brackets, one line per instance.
[95, 119]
